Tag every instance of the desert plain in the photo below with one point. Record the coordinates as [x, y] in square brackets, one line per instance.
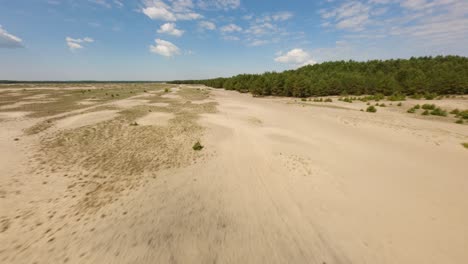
[107, 173]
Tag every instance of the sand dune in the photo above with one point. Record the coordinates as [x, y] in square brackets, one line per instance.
[278, 181]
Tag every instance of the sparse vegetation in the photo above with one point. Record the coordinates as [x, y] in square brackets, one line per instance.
[371, 109]
[411, 110]
[439, 112]
[197, 146]
[428, 106]
[465, 145]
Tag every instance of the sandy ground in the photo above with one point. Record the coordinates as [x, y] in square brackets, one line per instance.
[278, 181]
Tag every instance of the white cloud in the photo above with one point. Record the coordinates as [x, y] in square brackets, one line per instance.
[75, 44]
[219, 4]
[258, 42]
[177, 10]
[206, 25]
[164, 48]
[188, 16]
[170, 28]
[159, 13]
[105, 3]
[282, 16]
[231, 28]
[297, 57]
[8, 40]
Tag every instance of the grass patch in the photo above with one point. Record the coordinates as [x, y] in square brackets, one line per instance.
[465, 145]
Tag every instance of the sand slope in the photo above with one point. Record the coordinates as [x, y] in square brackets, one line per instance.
[276, 182]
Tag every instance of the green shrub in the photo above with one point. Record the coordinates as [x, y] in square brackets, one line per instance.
[463, 114]
[166, 90]
[439, 112]
[328, 100]
[399, 104]
[397, 97]
[416, 96]
[411, 110]
[383, 105]
[428, 107]
[455, 112]
[459, 121]
[426, 112]
[303, 99]
[371, 109]
[197, 146]
[430, 96]
[465, 145]
[417, 106]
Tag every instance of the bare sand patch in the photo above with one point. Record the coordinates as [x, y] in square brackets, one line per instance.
[159, 104]
[155, 119]
[204, 101]
[129, 103]
[13, 115]
[170, 96]
[22, 103]
[37, 96]
[86, 119]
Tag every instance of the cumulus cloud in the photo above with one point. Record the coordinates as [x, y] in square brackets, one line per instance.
[176, 10]
[164, 48]
[219, 4]
[75, 44]
[296, 57]
[231, 28]
[8, 40]
[206, 25]
[170, 28]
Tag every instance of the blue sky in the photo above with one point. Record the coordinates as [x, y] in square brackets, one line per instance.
[183, 39]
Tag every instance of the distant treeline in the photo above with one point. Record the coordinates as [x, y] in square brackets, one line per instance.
[436, 75]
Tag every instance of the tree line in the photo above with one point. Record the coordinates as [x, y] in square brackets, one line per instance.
[435, 75]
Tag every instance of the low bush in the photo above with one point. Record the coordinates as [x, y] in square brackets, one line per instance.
[465, 145]
[463, 114]
[328, 100]
[459, 121]
[371, 109]
[430, 96]
[455, 112]
[397, 97]
[197, 146]
[439, 112]
[400, 104]
[134, 124]
[417, 106]
[428, 106]
[411, 110]
[426, 112]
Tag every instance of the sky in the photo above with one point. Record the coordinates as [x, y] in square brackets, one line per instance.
[196, 39]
